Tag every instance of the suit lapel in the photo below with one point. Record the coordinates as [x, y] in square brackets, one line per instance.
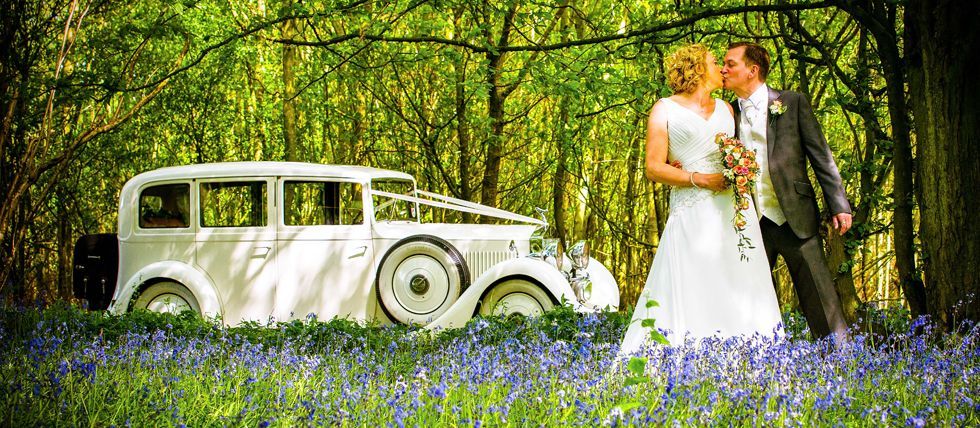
[770, 130]
[738, 116]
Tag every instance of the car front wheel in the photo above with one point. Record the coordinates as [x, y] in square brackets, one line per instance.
[516, 296]
[166, 297]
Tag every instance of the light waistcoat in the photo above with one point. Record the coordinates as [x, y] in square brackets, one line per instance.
[752, 132]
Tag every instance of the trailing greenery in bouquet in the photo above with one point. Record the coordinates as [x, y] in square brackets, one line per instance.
[741, 171]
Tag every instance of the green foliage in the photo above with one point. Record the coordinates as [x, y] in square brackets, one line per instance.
[655, 335]
[795, 326]
[18, 322]
[637, 365]
[574, 117]
[563, 323]
[884, 321]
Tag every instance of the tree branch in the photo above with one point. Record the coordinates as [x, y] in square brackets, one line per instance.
[714, 13]
[247, 32]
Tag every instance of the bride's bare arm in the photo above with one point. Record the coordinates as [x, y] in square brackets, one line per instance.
[657, 168]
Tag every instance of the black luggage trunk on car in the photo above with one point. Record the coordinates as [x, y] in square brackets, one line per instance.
[95, 269]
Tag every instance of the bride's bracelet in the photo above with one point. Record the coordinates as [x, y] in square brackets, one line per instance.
[691, 177]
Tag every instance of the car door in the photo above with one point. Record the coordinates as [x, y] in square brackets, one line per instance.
[235, 245]
[325, 251]
[163, 229]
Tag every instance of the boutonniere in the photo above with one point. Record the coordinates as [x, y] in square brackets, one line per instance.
[776, 108]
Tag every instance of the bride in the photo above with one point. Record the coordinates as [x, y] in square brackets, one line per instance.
[701, 285]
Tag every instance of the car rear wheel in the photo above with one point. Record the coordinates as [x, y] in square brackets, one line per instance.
[419, 278]
[516, 296]
[166, 297]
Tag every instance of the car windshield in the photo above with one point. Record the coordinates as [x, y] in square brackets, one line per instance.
[390, 209]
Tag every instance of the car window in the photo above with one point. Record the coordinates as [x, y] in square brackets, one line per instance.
[165, 206]
[309, 203]
[390, 209]
[233, 204]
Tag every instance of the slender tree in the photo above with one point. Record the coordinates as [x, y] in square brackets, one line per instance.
[52, 110]
[879, 17]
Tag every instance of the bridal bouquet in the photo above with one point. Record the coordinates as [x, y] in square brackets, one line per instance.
[741, 171]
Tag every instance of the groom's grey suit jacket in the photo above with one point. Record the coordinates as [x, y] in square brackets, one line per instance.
[793, 138]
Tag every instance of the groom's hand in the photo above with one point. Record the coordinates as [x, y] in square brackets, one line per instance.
[842, 223]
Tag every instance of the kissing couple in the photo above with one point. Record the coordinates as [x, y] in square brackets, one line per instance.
[711, 275]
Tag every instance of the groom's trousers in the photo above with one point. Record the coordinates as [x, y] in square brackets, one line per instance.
[811, 277]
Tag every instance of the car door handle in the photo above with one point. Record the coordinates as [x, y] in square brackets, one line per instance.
[261, 252]
[359, 252]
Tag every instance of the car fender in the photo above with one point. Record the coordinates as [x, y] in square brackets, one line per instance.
[545, 274]
[195, 281]
[605, 291]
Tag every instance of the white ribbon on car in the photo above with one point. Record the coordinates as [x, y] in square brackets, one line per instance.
[451, 203]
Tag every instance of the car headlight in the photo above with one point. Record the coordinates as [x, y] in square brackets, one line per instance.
[579, 253]
[554, 251]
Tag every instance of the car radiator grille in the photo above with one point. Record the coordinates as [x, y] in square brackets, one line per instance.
[480, 261]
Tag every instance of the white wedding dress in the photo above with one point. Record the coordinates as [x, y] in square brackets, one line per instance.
[698, 278]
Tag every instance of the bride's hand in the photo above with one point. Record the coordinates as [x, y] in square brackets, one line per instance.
[715, 182]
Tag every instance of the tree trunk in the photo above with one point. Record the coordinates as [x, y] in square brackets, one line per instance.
[65, 246]
[903, 169]
[941, 38]
[289, 63]
[462, 124]
[839, 260]
[559, 185]
[590, 190]
[495, 111]
[328, 152]
[562, 137]
[661, 207]
[783, 283]
[634, 170]
[251, 115]
[495, 142]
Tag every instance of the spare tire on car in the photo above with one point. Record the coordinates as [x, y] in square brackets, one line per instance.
[419, 278]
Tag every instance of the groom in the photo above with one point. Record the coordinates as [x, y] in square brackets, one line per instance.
[782, 128]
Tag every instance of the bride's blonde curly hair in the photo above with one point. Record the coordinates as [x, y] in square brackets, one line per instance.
[686, 68]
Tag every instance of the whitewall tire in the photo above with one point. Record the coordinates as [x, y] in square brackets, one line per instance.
[516, 296]
[419, 278]
[166, 297]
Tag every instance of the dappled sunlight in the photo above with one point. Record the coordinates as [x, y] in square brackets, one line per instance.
[244, 275]
[326, 277]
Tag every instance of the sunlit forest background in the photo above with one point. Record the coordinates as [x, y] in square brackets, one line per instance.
[510, 103]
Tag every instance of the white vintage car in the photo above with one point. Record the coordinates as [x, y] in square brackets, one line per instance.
[261, 241]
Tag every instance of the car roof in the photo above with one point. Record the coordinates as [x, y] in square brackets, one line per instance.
[268, 169]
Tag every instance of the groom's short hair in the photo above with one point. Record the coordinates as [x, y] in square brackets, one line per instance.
[755, 54]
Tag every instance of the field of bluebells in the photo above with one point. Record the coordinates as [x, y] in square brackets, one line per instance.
[61, 366]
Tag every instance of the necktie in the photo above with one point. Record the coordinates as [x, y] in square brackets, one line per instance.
[748, 109]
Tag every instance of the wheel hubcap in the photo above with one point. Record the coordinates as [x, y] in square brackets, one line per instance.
[425, 284]
[168, 303]
[419, 284]
[518, 303]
